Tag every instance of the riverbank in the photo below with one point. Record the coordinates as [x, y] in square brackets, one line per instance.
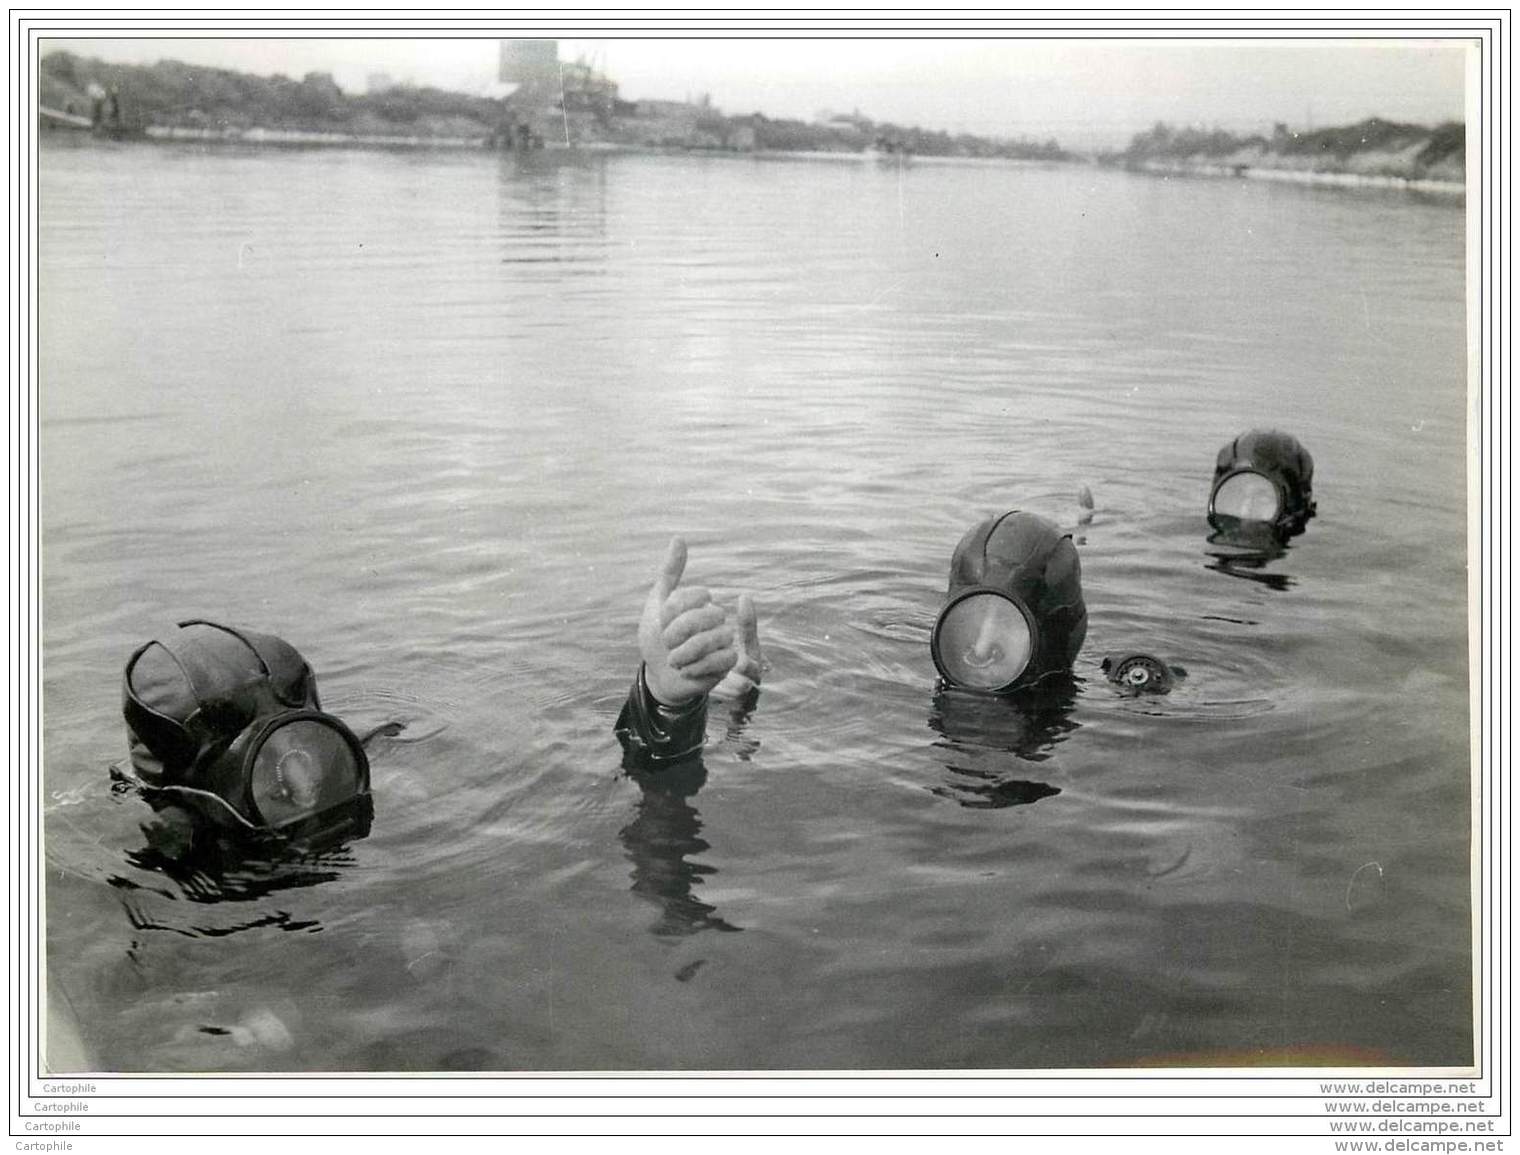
[173, 100]
[1304, 176]
[335, 141]
[309, 138]
[1373, 153]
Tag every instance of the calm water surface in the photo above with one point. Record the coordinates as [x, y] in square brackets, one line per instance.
[434, 418]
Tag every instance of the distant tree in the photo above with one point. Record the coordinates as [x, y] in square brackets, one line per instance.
[1447, 142]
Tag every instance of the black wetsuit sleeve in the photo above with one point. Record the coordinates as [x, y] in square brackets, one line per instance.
[655, 735]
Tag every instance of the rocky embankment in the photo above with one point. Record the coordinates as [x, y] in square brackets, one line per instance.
[1373, 152]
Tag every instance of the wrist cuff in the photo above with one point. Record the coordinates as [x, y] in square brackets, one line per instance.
[654, 734]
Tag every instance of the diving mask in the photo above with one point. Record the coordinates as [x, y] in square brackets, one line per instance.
[1014, 612]
[228, 723]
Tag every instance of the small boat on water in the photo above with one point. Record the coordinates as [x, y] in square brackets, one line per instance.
[57, 118]
[107, 118]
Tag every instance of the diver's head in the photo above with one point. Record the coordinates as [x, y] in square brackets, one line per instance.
[1263, 482]
[227, 724]
[1013, 614]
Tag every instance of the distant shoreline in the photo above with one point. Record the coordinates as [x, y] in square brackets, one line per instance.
[1371, 154]
[570, 102]
[309, 139]
[1338, 178]
[173, 102]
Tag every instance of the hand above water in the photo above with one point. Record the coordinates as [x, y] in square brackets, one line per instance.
[685, 638]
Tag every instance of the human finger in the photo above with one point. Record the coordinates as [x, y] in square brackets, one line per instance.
[681, 601]
[696, 648]
[749, 626]
[711, 667]
[671, 569]
[691, 623]
[747, 666]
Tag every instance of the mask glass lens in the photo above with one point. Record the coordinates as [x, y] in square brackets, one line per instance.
[303, 767]
[983, 642]
[1246, 497]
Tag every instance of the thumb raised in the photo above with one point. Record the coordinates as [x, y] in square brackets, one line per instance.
[670, 570]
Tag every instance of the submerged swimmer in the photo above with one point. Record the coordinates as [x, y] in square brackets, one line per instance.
[229, 740]
[1014, 615]
[1263, 488]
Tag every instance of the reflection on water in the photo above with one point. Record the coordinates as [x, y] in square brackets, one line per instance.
[216, 874]
[979, 730]
[662, 842]
[1247, 551]
[665, 834]
[436, 416]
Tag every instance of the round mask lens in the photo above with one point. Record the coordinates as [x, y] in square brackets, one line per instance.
[1246, 497]
[982, 642]
[303, 768]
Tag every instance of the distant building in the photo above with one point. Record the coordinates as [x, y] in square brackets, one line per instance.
[529, 62]
[850, 120]
[554, 99]
[584, 89]
[544, 82]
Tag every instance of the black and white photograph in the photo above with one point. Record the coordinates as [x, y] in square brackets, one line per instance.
[587, 551]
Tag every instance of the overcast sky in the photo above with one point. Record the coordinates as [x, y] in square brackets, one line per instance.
[1081, 92]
